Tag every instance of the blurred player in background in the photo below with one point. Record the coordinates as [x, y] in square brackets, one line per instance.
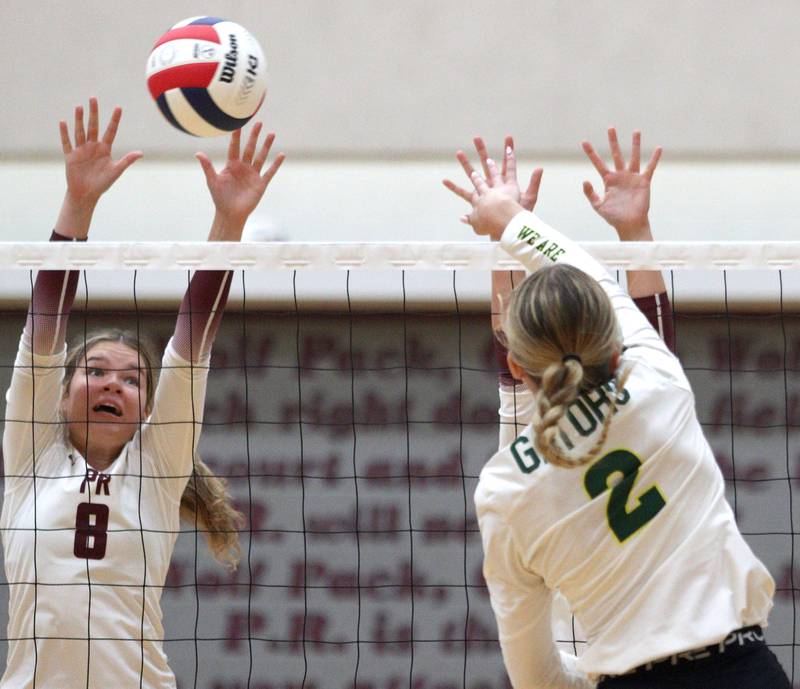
[611, 496]
[100, 451]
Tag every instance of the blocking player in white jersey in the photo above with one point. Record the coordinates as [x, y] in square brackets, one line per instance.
[611, 497]
[100, 459]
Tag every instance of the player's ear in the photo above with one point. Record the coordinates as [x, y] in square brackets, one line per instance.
[513, 367]
[614, 361]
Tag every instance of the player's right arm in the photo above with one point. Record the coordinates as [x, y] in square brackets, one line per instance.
[35, 390]
[522, 605]
[516, 401]
[175, 424]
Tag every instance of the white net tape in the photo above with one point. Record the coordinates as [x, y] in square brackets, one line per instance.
[382, 255]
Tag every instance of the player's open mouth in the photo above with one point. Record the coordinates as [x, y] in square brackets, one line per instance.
[108, 409]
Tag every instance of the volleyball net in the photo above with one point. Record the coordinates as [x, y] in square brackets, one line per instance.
[352, 402]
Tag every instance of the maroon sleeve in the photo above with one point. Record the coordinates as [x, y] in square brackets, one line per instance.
[200, 313]
[51, 302]
[658, 311]
[501, 358]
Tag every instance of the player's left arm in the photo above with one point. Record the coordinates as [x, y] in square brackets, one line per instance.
[236, 191]
[625, 205]
[522, 605]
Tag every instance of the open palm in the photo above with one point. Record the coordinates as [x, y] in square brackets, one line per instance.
[626, 195]
[237, 189]
[89, 167]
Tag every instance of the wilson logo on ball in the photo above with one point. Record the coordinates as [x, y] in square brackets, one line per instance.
[207, 76]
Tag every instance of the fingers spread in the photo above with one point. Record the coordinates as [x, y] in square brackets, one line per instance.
[636, 148]
[208, 168]
[616, 153]
[458, 191]
[509, 171]
[80, 133]
[483, 154]
[250, 148]
[465, 164]
[531, 195]
[494, 174]
[125, 162]
[66, 146]
[94, 116]
[266, 178]
[479, 183]
[111, 130]
[598, 163]
[590, 193]
[651, 166]
[233, 146]
[261, 158]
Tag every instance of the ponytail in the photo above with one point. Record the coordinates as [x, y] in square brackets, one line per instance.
[206, 503]
[560, 387]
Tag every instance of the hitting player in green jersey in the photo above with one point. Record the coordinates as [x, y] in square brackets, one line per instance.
[611, 496]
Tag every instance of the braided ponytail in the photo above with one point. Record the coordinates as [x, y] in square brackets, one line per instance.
[561, 386]
[562, 330]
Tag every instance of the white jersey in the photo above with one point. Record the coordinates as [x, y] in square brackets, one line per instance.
[87, 552]
[641, 542]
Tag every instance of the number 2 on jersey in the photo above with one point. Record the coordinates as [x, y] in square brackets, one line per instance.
[91, 538]
[622, 522]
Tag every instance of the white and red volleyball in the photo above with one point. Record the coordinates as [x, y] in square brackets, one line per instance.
[208, 76]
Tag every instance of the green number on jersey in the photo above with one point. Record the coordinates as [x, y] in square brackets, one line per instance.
[623, 523]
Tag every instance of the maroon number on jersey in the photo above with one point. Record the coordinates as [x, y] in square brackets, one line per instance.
[91, 530]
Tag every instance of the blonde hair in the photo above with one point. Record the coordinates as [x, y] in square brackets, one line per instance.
[206, 501]
[207, 504]
[560, 327]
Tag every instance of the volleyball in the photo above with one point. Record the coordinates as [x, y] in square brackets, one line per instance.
[207, 76]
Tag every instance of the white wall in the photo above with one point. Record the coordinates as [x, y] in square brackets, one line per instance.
[374, 77]
[393, 201]
[370, 99]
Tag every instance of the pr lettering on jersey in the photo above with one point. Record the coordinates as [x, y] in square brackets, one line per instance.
[546, 247]
[101, 481]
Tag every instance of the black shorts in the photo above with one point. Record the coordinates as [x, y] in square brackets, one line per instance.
[742, 661]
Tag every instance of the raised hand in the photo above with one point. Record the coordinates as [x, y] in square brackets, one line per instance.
[626, 198]
[497, 187]
[89, 168]
[237, 189]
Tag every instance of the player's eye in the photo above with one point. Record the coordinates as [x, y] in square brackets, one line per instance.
[132, 380]
[99, 372]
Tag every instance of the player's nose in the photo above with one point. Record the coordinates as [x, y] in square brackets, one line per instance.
[113, 385]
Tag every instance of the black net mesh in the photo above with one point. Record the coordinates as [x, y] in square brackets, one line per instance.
[352, 440]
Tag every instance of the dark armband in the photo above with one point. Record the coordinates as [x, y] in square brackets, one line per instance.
[501, 358]
[56, 237]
